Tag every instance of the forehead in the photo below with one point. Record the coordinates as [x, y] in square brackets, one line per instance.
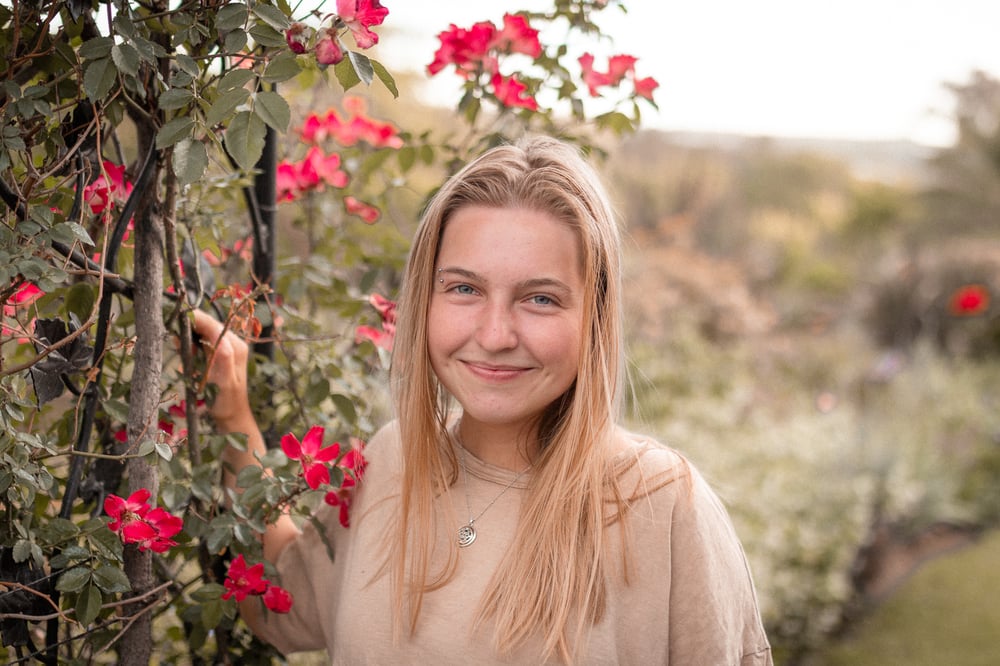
[510, 239]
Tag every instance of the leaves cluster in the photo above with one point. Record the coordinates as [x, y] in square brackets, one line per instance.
[191, 96]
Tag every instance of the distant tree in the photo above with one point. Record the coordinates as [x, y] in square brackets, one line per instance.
[965, 197]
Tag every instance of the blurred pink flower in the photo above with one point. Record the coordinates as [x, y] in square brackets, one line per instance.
[366, 212]
[969, 300]
[380, 338]
[107, 189]
[297, 37]
[328, 51]
[511, 93]
[517, 36]
[278, 599]
[360, 15]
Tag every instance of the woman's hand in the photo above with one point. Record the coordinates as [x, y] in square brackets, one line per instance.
[227, 369]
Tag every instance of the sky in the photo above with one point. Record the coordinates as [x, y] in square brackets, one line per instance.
[850, 69]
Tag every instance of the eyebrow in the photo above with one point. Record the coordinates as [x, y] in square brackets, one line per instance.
[532, 283]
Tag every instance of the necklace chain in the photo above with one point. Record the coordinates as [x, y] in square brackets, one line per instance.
[467, 532]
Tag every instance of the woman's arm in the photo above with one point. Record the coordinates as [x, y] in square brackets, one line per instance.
[231, 412]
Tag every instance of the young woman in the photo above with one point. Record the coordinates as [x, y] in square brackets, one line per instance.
[504, 516]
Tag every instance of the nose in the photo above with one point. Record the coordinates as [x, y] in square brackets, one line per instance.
[496, 330]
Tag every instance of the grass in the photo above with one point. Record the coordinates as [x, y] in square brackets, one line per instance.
[947, 613]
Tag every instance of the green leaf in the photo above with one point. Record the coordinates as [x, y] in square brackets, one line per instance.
[124, 26]
[98, 78]
[615, 121]
[427, 154]
[317, 391]
[211, 613]
[346, 408]
[236, 78]
[254, 493]
[265, 35]
[68, 555]
[225, 105]
[74, 579]
[187, 64]
[163, 450]
[88, 605]
[148, 51]
[22, 550]
[282, 67]
[406, 156]
[272, 16]
[385, 77]
[126, 58]
[190, 160]
[346, 74]
[79, 300]
[219, 538]
[245, 533]
[273, 110]
[248, 476]
[245, 139]
[236, 41]
[362, 65]
[146, 446]
[173, 131]
[111, 579]
[197, 635]
[117, 410]
[96, 48]
[58, 530]
[231, 17]
[69, 233]
[175, 98]
[208, 592]
[107, 544]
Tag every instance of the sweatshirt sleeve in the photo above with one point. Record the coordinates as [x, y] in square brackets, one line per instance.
[311, 567]
[714, 615]
[305, 569]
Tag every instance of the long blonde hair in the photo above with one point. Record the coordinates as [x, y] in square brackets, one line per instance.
[574, 482]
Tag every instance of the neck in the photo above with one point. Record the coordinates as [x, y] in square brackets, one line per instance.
[512, 448]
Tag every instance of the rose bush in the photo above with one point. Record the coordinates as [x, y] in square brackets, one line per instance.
[142, 164]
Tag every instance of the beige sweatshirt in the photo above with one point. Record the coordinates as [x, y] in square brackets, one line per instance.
[689, 600]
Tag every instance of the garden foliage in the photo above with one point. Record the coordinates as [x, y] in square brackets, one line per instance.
[154, 158]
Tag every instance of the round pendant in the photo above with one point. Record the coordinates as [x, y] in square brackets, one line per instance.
[466, 535]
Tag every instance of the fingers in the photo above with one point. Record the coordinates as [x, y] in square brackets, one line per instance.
[227, 356]
[206, 326]
[213, 333]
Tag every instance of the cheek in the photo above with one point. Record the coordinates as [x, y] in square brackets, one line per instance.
[440, 332]
[562, 348]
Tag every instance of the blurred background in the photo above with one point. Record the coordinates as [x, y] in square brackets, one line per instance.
[814, 260]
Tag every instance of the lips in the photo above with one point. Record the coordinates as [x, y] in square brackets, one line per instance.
[492, 372]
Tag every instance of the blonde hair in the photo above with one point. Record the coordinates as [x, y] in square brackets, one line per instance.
[533, 590]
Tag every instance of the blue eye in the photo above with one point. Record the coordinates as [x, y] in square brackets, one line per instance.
[464, 289]
[542, 299]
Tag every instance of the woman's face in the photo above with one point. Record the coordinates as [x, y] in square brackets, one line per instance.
[506, 315]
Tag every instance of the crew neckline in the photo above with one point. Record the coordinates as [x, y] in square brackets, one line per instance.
[485, 471]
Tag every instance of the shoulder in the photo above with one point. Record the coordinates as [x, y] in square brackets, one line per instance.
[386, 437]
[644, 467]
[383, 450]
[683, 535]
[659, 476]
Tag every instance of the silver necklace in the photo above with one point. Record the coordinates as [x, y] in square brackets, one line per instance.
[467, 532]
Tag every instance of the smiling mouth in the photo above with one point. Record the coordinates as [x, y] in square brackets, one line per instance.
[495, 372]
